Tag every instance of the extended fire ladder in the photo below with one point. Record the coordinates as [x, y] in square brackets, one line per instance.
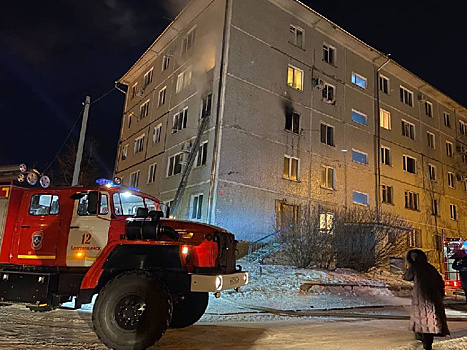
[191, 154]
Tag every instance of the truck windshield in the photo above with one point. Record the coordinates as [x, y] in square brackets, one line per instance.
[127, 203]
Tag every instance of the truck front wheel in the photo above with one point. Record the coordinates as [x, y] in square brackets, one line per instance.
[189, 309]
[132, 311]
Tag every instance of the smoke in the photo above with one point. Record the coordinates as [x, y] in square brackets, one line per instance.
[173, 7]
[287, 104]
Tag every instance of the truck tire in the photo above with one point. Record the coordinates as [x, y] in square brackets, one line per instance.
[132, 311]
[189, 310]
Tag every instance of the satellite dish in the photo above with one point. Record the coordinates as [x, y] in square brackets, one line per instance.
[44, 181]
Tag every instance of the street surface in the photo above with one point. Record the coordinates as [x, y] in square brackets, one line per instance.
[244, 329]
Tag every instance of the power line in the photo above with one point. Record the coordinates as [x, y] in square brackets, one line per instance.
[100, 98]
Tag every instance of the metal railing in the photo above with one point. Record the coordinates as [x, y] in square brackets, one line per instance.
[265, 245]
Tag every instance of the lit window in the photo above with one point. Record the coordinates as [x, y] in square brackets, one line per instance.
[359, 157]
[326, 222]
[385, 155]
[360, 198]
[409, 164]
[447, 119]
[188, 40]
[387, 194]
[453, 210]
[148, 78]
[359, 117]
[430, 139]
[202, 154]
[291, 168]
[432, 172]
[179, 120]
[134, 179]
[139, 144]
[327, 134]
[292, 122]
[152, 173]
[156, 133]
[144, 110]
[449, 149]
[297, 35]
[183, 80]
[385, 119]
[174, 165]
[295, 78]
[408, 129]
[412, 200]
[451, 180]
[329, 54]
[384, 84]
[328, 177]
[125, 152]
[196, 207]
[328, 93]
[359, 80]
[406, 96]
[162, 94]
[429, 109]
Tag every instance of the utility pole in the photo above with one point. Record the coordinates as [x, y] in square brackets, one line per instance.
[82, 135]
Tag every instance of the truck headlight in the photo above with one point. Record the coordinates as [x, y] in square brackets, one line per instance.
[219, 282]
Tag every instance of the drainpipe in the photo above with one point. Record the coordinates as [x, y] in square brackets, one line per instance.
[378, 141]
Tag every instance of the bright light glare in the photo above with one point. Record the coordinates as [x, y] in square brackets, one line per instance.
[185, 250]
[79, 255]
[219, 282]
[126, 194]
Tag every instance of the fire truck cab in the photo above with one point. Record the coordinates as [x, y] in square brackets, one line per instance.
[148, 272]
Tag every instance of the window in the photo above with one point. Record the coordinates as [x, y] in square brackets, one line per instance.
[327, 134]
[358, 117]
[360, 198]
[328, 177]
[202, 154]
[328, 93]
[152, 173]
[464, 181]
[414, 239]
[179, 120]
[409, 164]
[429, 109]
[297, 35]
[359, 157]
[89, 202]
[165, 62]
[384, 84]
[462, 127]
[196, 207]
[127, 204]
[385, 119]
[124, 152]
[453, 211]
[206, 109]
[156, 133]
[134, 179]
[430, 139]
[162, 94]
[286, 214]
[358, 80]
[174, 165]
[144, 110]
[292, 122]
[188, 40]
[451, 180]
[449, 151]
[183, 80]
[435, 207]
[387, 194]
[432, 172]
[129, 119]
[134, 90]
[412, 200]
[447, 119]
[139, 143]
[406, 96]
[326, 222]
[44, 204]
[408, 129]
[329, 54]
[386, 155]
[148, 77]
[291, 168]
[295, 78]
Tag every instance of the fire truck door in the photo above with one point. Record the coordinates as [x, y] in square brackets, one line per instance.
[89, 228]
[39, 229]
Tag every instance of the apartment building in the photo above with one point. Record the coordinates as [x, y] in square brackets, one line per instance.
[301, 112]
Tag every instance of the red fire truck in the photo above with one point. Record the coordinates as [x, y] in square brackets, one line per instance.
[149, 272]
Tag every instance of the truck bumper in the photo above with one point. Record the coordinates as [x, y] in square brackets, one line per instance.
[216, 283]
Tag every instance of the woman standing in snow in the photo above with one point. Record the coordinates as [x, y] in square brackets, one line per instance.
[427, 317]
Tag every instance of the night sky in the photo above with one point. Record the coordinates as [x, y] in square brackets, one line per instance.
[53, 53]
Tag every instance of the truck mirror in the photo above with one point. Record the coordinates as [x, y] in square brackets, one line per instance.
[92, 202]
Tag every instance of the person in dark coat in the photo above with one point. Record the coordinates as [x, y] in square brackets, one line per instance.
[427, 316]
[461, 265]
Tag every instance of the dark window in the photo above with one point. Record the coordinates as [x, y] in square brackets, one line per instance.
[327, 134]
[292, 122]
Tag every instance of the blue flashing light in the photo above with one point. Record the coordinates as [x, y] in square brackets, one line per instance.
[104, 182]
[133, 189]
